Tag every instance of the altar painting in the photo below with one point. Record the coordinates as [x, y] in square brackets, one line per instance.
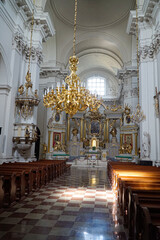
[128, 139]
[56, 137]
[95, 127]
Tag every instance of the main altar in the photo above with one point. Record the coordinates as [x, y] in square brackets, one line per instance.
[91, 138]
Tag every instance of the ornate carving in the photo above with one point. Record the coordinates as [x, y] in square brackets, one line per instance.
[153, 48]
[19, 43]
[146, 145]
[127, 73]
[144, 17]
[59, 147]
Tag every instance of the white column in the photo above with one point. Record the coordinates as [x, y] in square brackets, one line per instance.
[157, 84]
[147, 91]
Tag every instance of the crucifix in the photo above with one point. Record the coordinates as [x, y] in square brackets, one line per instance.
[156, 98]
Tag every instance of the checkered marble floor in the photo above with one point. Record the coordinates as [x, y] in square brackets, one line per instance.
[77, 206]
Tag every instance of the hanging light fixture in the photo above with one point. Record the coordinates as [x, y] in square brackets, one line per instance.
[138, 116]
[71, 97]
[26, 100]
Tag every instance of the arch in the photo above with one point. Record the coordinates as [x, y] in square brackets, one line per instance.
[114, 86]
[92, 40]
[4, 90]
[4, 70]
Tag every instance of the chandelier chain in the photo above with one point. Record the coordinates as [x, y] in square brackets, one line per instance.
[137, 43]
[75, 97]
[30, 48]
[75, 27]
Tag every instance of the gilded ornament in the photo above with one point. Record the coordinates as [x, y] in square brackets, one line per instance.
[75, 97]
[21, 89]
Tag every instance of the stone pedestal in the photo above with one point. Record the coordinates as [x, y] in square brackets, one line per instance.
[75, 148]
[114, 140]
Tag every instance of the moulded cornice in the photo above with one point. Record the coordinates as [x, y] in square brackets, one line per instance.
[131, 26]
[127, 72]
[146, 14]
[43, 19]
[148, 8]
[46, 72]
[4, 89]
[25, 8]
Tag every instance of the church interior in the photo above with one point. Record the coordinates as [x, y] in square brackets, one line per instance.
[80, 119]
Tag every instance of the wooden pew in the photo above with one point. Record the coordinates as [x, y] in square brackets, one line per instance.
[1, 191]
[30, 175]
[9, 189]
[130, 181]
[19, 179]
[149, 223]
[138, 200]
[135, 183]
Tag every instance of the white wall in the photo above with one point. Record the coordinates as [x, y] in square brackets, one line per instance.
[14, 47]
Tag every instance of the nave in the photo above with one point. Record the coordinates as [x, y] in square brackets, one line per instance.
[79, 205]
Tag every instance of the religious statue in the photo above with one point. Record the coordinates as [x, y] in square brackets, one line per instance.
[21, 89]
[50, 122]
[125, 148]
[74, 132]
[36, 93]
[34, 134]
[85, 142]
[44, 147]
[27, 133]
[58, 146]
[146, 145]
[156, 99]
[28, 83]
[113, 132]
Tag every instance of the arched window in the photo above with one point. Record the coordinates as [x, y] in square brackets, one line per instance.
[96, 84]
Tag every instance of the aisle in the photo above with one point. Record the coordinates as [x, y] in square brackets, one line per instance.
[77, 206]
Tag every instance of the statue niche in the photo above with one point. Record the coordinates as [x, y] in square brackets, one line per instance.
[75, 132]
[94, 143]
[113, 131]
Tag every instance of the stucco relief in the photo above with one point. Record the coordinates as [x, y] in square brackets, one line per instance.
[20, 44]
[150, 50]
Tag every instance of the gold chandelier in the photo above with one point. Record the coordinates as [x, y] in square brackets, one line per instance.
[138, 115]
[26, 99]
[71, 97]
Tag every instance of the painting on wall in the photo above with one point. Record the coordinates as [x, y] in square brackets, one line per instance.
[56, 137]
[128, 139]
[57, 117]
[95, 127]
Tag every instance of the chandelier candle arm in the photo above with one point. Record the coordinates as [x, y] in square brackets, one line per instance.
[75, 97]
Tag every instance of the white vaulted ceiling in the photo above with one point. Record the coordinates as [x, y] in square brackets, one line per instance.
[92, 13]
[101, 39]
